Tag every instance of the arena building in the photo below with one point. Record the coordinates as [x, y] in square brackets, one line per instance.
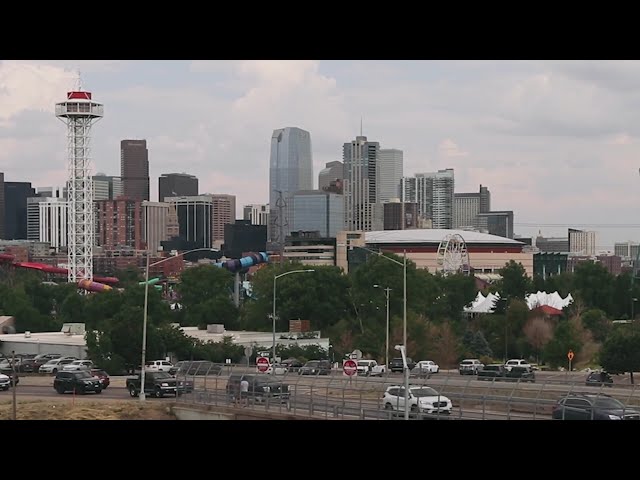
[436, 249]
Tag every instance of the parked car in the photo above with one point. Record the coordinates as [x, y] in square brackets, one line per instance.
[52, 366]
[470, 366]
[292, 364]
[397, 364]
[495, 371]
[365, 367]
[28, 365]
[261, 388]
[158, 366]
[316, 367]
[591, 406]
[516, 362]
[599, 379]
[78, 365]
[102, 375]
[8, 372]
[5, 382]
[520, 374]
[422, 399]
[428, 365]
[277, 369]
[78, 381]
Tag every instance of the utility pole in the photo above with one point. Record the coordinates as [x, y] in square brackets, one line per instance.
[13, 384]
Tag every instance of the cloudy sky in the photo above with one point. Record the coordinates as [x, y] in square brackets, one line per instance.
[556, 142]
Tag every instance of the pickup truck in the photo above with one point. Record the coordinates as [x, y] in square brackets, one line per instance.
[492, 372]
[158, 384]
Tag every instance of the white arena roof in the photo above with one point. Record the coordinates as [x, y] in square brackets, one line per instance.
[434, 235]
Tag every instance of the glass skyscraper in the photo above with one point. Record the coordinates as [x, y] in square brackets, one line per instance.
[290, 170]
[318, 211]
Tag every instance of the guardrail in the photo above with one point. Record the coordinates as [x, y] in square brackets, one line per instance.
[337, 396]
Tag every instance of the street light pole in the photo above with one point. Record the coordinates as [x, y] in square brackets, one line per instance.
[273, 315]
[142, 395]
[386, 352]
[404, 336]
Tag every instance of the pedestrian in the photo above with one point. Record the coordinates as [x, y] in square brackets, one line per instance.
[244, 392]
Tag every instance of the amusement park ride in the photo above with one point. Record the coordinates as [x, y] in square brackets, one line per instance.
[103, 284]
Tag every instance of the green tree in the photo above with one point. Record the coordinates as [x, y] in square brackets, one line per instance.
[128, 277]
[565, 338]
[597, 322]
[594, 285]
[514, 282]
[455, 292]
[621, 351]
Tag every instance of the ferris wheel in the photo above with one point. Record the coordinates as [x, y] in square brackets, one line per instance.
[453, 256]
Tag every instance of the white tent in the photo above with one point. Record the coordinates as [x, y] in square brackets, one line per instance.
[554, 300]
[483, 304]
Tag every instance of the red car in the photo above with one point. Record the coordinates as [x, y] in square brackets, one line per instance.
[102, 375]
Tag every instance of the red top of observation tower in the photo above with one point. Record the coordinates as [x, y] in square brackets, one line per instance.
[78, 95]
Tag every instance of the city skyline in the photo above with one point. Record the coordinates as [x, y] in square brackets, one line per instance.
[555, 141]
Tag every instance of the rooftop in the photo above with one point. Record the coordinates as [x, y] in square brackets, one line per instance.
[434, 235]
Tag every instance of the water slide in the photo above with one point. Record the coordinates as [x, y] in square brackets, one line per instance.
[239, 264]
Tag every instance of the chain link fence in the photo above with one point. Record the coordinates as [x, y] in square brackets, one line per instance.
[440, 396]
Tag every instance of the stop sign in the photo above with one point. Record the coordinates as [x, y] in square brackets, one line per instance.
[262, 363]
[350, 367]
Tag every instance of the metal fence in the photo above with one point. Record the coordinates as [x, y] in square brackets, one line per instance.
[337, 396]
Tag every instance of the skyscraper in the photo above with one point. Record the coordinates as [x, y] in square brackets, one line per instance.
[360, 188]
[290, 170]
[257, 214]
[15, 209]
[177, 185]
[224, 213]
[106, 187]
[331, 177]
[134, 169]
[390, 171]
[315, 210]
[433, 192]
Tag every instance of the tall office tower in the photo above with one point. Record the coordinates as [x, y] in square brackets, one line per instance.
[173, 225]
[331, 177]
[177, 185]
[433, 192]
[582, 242]
[134, 169]
[107, 187]
[224, 213]
[194, 220]
[315, 210]
[54, 229]
[256, 213]
[360, 190]
[498, 223]
[154, 224]
[2, 206]
[119, 224]
[485, 200]
[290, 170]
[390, 171]
[53, 214]
[400, 216]
[626, 250]
[15, 209]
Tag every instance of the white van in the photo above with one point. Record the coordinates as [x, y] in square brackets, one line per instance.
[158, 366]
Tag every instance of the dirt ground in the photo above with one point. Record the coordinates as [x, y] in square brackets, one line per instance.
[52, 410]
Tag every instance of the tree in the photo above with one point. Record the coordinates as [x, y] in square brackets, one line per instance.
[538, 331]
[594, 283]
[597, 322]
[621, 351]
[476, 344]
[564, 339]
[514, 282]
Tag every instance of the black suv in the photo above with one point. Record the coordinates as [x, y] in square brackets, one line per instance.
[599, 379]
[260, 388]
[79, 381]
[397, 365]
[521, 374]
[590, 406]
[316, 367]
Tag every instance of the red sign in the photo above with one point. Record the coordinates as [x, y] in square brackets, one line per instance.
[262, 363]
[570, 355]
[350, 367]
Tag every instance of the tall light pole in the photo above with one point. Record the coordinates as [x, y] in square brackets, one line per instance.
[276, 277]
[386, 351]
[403, 264]
[146, 305]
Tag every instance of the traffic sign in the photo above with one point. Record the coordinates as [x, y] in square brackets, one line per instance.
[350, 367]
[570, 355]
[262, 363]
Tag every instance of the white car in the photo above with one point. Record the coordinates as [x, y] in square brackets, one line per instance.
[52, 366]
[516, 362]
[427, 366]
[278, 370]
[78, 365]
[5, 382]
[158, 366]
[365, 367]
[422, 399]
